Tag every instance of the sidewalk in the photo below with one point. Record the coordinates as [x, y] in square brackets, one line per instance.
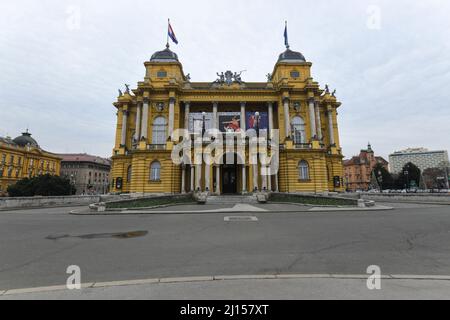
[303, 287]
[237, 208]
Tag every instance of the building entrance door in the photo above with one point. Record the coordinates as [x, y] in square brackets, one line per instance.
[229, 179]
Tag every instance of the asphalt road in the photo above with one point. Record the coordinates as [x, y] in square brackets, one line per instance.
[37, 246]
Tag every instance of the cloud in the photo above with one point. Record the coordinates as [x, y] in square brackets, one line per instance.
[62, 62]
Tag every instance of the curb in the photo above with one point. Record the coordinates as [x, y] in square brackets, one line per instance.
[112, 284]
[310, 210]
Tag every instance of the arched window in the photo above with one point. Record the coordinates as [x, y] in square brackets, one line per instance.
[129, 173]
[303, 170]
[298, 130]
[159, 131]
[155, 171]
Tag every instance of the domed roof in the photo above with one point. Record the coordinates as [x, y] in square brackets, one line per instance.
[25, 139]
[291, 56]
[165, 55]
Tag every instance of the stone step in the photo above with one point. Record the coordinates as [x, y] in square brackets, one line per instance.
[231, 199]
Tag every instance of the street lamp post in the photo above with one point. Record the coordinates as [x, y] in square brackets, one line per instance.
[380, 180]
[71, 181]
[203, 123]
[257, 119]
[406, 173]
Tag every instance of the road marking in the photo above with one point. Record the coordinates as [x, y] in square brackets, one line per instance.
[220, 278]
[240, 219]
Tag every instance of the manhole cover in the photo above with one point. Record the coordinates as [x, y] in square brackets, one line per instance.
[241, 219]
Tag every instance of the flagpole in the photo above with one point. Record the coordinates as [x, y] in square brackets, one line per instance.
[168, 24]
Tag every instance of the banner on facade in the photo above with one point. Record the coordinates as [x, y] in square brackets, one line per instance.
[196, 122]
[251, 120]
[229, 121]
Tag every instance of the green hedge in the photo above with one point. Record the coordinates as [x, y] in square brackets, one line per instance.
[150, 202]
[312, 200]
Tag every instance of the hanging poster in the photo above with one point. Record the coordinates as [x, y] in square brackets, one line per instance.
[229, 122]
[251, 120]
[196, 122]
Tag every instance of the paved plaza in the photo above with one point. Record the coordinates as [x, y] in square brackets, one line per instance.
[37, 246]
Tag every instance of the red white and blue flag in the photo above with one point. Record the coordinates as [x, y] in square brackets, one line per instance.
[172, 34]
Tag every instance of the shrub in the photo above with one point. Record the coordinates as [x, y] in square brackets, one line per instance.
[44, 185]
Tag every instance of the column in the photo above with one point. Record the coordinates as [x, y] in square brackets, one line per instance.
[269, 184]
[330, 125]
[171, 114]
[137, 134]
[192, 178]
[207, 177]
[264, 178]
[319, 121]
[255, 177]
[287, 122]
[244, 179]
[215, 107]
[270, 111]
[312, 118]
[217, 179]
[123, 138]
[243, 122]
[277, 188]
[144, 128]
[187, 108]
[183, 177]
[198, 177]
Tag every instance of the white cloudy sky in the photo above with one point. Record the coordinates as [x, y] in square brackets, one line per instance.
[59, 74]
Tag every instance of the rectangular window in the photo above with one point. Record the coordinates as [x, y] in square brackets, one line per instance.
[161, 74]
[295, 74]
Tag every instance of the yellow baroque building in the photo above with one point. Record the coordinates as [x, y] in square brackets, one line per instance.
[310, 156]
[23, 158]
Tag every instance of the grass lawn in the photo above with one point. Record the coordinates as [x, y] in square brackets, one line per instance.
[321, 201]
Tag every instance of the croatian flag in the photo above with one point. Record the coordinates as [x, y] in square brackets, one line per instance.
[286, 40]
[172, 34]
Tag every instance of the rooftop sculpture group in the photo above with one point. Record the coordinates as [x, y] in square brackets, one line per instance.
[229, 78]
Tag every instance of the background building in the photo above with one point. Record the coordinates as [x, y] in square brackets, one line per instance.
[421, 157]
[23, 158]
[358, 170]
[89, 174]
[290, 100]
